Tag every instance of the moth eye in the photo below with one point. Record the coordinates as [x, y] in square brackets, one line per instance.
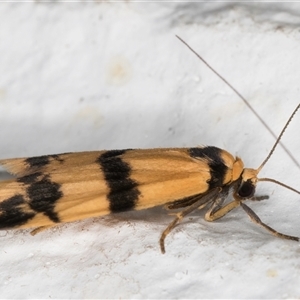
[246, 190]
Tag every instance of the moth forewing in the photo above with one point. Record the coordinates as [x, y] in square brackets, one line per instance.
[60, 188]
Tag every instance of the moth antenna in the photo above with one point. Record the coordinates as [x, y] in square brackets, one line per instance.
[278, 139]
[273, 149]
[245, 101]
[279, 183]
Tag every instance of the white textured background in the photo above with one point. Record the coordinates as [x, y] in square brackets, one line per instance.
[103, 75]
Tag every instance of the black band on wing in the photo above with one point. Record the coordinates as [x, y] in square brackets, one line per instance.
[215, 162]
[13, 213]
[43, 194]
[123, 193]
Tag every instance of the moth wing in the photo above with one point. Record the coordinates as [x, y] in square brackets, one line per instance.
[74, 186]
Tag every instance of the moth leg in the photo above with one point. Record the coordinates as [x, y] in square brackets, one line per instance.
[200, 203]
[254, 217]
[217, 211]
[39, 229]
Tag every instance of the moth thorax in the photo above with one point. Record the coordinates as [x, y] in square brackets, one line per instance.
[237, 169]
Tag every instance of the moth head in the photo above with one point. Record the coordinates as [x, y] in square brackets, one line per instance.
[246, 188]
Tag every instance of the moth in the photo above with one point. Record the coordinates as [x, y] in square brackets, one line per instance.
[52, 189]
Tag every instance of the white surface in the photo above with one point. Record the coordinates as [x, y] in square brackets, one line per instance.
[112, 75]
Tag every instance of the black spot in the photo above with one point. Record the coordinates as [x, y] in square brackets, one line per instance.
[43, 195]
[123, 190]
[28, 179]
[216, 164]
[41, 161]
[12, 214]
